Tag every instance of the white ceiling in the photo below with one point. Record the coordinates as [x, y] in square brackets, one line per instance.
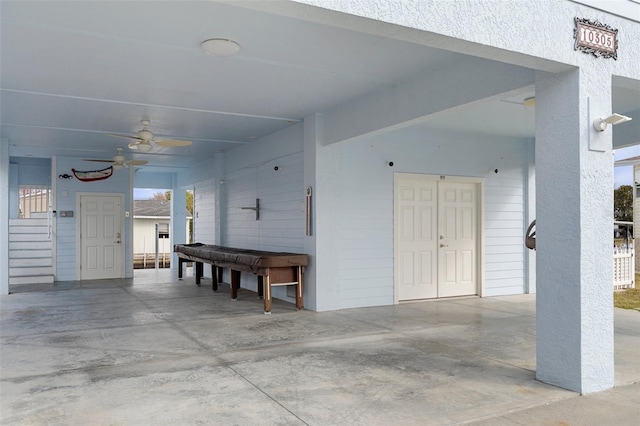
[74, 72]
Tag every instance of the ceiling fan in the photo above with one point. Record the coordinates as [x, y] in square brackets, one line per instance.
[119, 162]
[144, 139]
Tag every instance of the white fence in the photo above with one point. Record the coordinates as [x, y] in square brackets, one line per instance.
[624, 273]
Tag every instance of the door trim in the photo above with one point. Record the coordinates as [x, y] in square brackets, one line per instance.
[79, 195]
[480, 226]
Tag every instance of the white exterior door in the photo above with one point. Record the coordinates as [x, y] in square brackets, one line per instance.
[457, 232]
[101, 243]
[436, 237]
[416, 240]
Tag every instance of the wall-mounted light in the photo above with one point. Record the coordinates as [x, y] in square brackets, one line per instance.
[599, 110]
[530, 102]
[601, 123]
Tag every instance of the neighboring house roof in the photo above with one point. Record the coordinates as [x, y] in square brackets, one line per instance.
[628, 161]
[154, 208]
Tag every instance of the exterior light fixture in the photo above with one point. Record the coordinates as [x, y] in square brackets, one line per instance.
[601, 123]
[530, 102]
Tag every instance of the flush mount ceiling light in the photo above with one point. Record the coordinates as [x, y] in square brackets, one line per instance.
[220, 47]
[600, 124]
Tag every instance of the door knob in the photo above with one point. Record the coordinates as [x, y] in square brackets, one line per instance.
[444, 245]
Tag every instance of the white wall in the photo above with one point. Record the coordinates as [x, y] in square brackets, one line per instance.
[65, 232]
[362, 214]
[249, 174]
[204, 211]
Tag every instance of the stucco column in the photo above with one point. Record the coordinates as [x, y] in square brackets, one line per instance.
[574, 184]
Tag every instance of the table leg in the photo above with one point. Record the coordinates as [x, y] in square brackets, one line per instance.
[180, 262]
[214, 277]
[299, 289]
[235, 284]
[198, 272]
[267, 294]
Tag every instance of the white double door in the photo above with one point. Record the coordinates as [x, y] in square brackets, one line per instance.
[436, 236]
[101, 242]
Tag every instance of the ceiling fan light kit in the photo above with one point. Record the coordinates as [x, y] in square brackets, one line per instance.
[144, 139]
[143, 146]
[119, 162]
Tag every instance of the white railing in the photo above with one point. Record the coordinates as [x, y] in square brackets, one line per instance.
[624, 273]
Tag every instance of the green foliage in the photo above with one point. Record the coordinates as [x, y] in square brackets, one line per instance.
[623, 203]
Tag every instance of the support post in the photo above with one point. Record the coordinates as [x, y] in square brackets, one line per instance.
[574, 304]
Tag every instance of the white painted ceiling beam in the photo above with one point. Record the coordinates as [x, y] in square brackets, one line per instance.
[414, 100]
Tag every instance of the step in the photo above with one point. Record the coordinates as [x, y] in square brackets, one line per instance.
[41, 279]
[30, 272]
[29, 237]
[28, 222]
[38, 215]
[28, 229]
[29, 254]
[30, 245]
[30, 262]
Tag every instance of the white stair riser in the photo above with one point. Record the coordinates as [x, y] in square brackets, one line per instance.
[30, 245]
[28, 222]
[30, 251]
[29, 254]
[30, 272]
[28, 237]
[28, 230]
[30, 263]
[31, 280]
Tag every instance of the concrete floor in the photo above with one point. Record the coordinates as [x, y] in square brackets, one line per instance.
[157, 351]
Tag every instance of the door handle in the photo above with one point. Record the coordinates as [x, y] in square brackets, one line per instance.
[118, 242]
[444, 245]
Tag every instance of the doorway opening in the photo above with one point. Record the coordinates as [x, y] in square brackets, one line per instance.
[152, 227]
[437, 236]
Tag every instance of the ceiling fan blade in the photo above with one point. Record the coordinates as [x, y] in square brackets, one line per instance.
[124, 136]
[133, 145]
[98, 161]
[137, 162]
[172, 142]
